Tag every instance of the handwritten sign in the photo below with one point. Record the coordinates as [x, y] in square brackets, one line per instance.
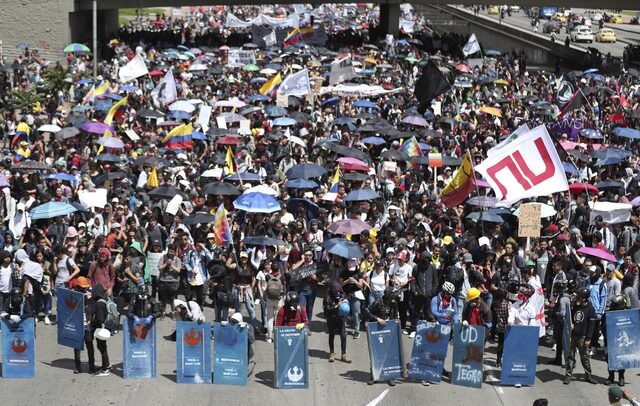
[468, 352]
[529, 220]
[303, 272]
[241, 57]
[282, 100]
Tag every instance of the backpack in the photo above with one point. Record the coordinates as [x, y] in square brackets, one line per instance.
[112, 321]
[274, 288]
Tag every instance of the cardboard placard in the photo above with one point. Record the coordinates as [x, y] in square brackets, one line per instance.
[529, 220]
[282, 100]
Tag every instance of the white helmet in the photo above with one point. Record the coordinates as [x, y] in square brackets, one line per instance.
[448, 287]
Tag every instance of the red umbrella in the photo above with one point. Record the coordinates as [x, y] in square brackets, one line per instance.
[461, 67]
[353, 164]
[229, 141]
[156, 73]
[576, 188]
[598, 253]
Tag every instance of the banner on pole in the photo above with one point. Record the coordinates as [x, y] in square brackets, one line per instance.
[70, 318]
[139, 357]
[18, 349]
[429, 351]
[468, 351]
[230, 354]
[291, 360]
[622, 339]
[385, 350]
[520, 355]
[193, 346]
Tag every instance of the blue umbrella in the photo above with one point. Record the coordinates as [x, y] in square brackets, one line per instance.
[259, 80]
[256, 202]
[343, 121]
[591, 133]
[128, 88]
[284, 121]
[592, 70]
[245, 177]
[275, 111]
[112, 96]
[300, 184]
[627, 132]
[570, 169]
[611, 152]
[484, 216]
[610, 160]
[361, 195]
[258, 97]
[500, 211]
[492, 52]
[51, 210]
[368, 104]
[613, 185]
[330, 102]
[102, 105]
[109, 158]
[373, 141]
[305, 171]
[197, 135]
[62, 176]
[343, 248]
[310, 207]
[179, 115]
[274, 66]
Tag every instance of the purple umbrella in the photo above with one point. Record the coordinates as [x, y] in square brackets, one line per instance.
[96, 127]
[483, 201]
[4, 182]
[598, 253]
[111, 142]
[635, 202]
[349, 227]
[415, 120]
[169, 123]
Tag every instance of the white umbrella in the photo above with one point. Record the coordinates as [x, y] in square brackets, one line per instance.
[212, 173]
[235, 102]
[50, 128]
[297, 140]
[197, 67]
[267, 190]
[268, 71]
[182, 105]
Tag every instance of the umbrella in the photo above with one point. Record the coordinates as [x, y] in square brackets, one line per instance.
[343, 248]
[228, 140]
[330, 102]
[576, 188]
[49, 128]
[349, 227]
[361, 195]
[373, 141]
[461, 67]
[491, 110]
[96, 127]
[635, 202]
[415, 120]
[309, 206]
[627, 132]
[545, 211]
[76, 48]
[355, 164]
[67, 132]
[51, 210]
[420, 159]
[179, 115]
[570, 169]
[62, 176]
[32, 165]
[598, 253]
[484, 216]
[166, 192]
[111, 142]
[611, 152]
[591, 133]
[611, 185]
[354, 176]
[300, 184]
[99, 180]
[199, 218]
[182, 105]
[368, 104]
[256, 203]
[262, 240]
[492, 52]
[156, 73]
[483, 201]
[221, 188]
[232, 117]
[152, 161]
[275, 111]
[284, 121]
[109, 158]
[305, 171]
[244, 177]
[264, 189]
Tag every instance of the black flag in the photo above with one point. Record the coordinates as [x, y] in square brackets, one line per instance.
[431, 84]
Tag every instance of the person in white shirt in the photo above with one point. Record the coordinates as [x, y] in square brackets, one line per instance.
[6, 278]
[522, 313]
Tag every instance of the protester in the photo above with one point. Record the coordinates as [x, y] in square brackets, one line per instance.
[583, 323]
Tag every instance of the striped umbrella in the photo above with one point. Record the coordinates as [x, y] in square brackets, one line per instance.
[76, 48]
[51, 210]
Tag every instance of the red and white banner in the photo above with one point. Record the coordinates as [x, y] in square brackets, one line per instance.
[528, 166]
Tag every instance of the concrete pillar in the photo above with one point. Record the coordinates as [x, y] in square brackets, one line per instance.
[390, 18]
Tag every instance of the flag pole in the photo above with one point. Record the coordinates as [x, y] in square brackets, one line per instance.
[475, 184]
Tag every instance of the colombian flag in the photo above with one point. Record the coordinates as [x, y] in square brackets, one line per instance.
[116, 109]
[335, 182]
[179, 137]
[461, 185]
[21, 154]
[297, 35]
[95, 92]
[221, 228]
[22, 134]
[270, 85]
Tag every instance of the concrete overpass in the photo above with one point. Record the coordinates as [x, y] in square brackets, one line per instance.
[49, 25]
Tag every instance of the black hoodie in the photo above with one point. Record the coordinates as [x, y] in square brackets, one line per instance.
[331, 299]
[97, 311]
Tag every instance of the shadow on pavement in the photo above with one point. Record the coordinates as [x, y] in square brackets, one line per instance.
[171, 377]
[317, 326]
[547, 375]
[118, 369]
[65, 363]
[313, 353]
[358, 376]
[266, 378]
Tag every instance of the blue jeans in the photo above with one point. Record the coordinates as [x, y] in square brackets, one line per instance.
[354, 304]
[307, 298]
[248, 302]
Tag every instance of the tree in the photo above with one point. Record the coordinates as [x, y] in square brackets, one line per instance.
[24, 100]
[54, 79]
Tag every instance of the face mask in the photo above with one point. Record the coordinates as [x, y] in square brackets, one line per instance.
[522, 297]
[473, 304]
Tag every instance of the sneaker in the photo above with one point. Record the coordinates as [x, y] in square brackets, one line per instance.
[46, 320]
[356, 335]
[332, 357]
[591, 380]
[392, 382]
[567, 380]
[412, 335]
[77, 371]
[425, 383]
[269, 340]
[553, 348]
[405, 331]
[345, 359]
[621, 382]
[592, 351]
[103, 372]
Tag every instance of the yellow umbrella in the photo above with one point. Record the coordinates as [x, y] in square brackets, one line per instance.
[370, 60]
[501, 82]
[491, 110]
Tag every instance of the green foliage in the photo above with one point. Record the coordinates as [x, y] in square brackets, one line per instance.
[24, 100]
[54, 79]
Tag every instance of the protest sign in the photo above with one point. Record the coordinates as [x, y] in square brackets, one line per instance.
[70, 318]
[623, 344]
[385, 350]
[291, 362]
[193, 347]
[139, 356]
[239, 57]
[529, 220]
[303, 272]
[429, 351]
[18, 349]
[468, 351]
[230, 353]
[520, 355]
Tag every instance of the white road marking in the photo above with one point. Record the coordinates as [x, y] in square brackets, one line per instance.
[377, 400]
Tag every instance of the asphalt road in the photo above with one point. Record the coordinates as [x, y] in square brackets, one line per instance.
[329, 383]
[625, 33]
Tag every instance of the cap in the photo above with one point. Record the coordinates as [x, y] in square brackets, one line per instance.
[447, 239]
[484, 241]
[402, 241]
[418, 217]
[211, 235]
[402, 255]
[390, 250]
[593, 268]
[615, 392]
[564, 222]
[244, 254]
[467, 258]
[116, 225]
[611, 268]
[530, 263]
[156, 242]
[393, 234]
[237, 317]
[72, 232]
[83, 282]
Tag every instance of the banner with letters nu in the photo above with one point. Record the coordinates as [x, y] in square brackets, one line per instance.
[520, 355]
[139, 358]
[193, 346]
[623, 342]
[429, 351]
[70, 318]
[528, 166]
[468, 351]
[291, 359]
[230, 352]
[18, 349]
[385, 350]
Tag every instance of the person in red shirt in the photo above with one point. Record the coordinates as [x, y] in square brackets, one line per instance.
[292, 314]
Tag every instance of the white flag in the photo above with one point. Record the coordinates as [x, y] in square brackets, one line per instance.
[528, 166]
[270, 39]
[296, 84]
[341, 70]
[166, 92]
[472, 46]
[132, 70]
[523, 129]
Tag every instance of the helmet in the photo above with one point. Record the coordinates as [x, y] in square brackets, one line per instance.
[561, 285]
[513, 285]
[344, 309]
[472, 294]
[389, 295]
[571, 285]
[618, 302]
[526, 290]
[583, 293]
[449, 288]
[291, 300]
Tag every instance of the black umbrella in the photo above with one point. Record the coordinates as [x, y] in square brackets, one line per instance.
[305, 171]
[217, 132]
[32, 165]
[451, 161]
[300, 117]
[109, 158]
[249, 110]
[66, 133]
[433, 134]
[147, 113]
[167, 192]
[397, 155]
[198, 218]
[577, 154]
[355, 176]
[262, 240]
[221, 188]
[152, 161]
[109, 176]
[421, 159]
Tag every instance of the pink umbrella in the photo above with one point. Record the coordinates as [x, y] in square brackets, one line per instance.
[224, 48]
[598, 253]
[635, 202]
[349, 227]
[353, 164]
[482, 183]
